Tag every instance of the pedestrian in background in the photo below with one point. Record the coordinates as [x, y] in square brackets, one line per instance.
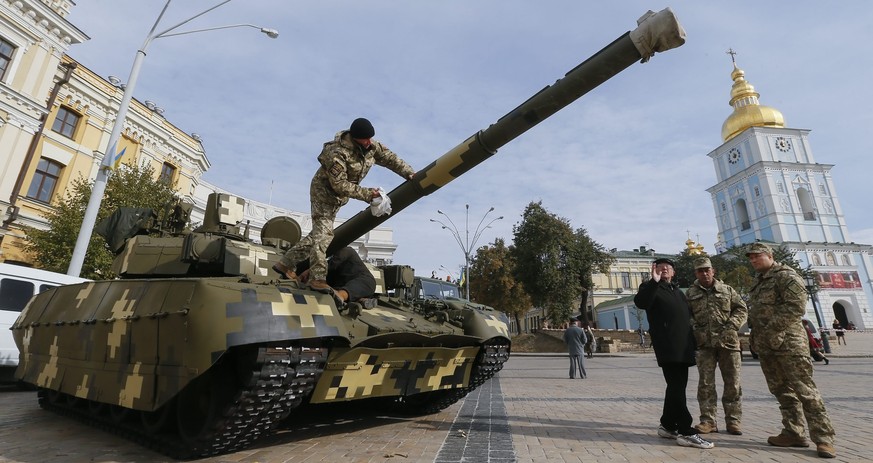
[718, 312]
[669, 320]
[777, 302]
[575, 338]
[591, 344]
[840, 332]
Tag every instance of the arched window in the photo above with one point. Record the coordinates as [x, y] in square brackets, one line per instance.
[832, 260]
[742, 214]
[816, 260]
[846, 259]
[45, 179]
[806, 204]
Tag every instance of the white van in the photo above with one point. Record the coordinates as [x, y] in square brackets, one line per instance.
[17, 285]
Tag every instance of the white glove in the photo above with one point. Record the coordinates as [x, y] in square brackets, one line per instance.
[380, 205]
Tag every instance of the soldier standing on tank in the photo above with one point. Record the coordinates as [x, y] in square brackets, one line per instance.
[345, 161]
[776, 304]
[718, 312]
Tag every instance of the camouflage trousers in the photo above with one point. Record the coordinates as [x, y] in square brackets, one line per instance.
[314, 245]
[728, 362]
[789, 379]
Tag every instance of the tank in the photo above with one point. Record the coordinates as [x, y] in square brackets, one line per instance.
[197, 349]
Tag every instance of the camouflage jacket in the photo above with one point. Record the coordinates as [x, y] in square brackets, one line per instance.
[718, 313]
[344, 164]
[776, 304]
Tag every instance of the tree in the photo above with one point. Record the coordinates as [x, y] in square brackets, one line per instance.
[733, 267]
[553, 262]
[129, 186]
[589, 257]
[493, 284]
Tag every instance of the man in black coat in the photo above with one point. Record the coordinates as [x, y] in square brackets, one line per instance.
[672, 338]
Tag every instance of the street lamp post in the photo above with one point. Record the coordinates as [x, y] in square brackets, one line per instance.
[812, 289]
[466, 244]
[108, 161]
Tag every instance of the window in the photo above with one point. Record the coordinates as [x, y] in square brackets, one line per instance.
[14, 294]
[806, 204]
[625, 280]
[65, 122]
[757, 191]
[6, 52]
[168, 173]
[42, 187]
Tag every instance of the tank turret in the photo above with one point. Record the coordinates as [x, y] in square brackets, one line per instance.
[198, 350]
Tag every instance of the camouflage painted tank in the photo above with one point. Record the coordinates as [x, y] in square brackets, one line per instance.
[198, 350]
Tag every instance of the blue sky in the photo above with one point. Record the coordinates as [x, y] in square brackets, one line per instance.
[627, 162]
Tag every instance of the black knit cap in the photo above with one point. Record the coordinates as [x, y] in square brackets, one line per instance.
[362, 128]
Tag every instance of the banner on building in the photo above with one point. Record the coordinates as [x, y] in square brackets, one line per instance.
[839, 280]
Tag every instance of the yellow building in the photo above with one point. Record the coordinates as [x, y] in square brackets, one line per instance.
[41, 159]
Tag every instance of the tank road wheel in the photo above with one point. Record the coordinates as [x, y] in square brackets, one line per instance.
[96, 409]
[159, 420]
[427, 403]
[200, 405]
[54, 397]
[119, 414]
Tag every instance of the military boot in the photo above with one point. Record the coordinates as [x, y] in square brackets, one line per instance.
[319, 285]
[783, 440]
[706, 427]
[825, 450]
[734, 428]
[284, 271]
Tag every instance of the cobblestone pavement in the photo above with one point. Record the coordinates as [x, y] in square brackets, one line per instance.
[530, 413]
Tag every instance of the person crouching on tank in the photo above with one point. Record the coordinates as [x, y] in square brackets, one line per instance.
[345, 161]
[347, 274]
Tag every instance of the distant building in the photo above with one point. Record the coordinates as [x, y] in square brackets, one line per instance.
[56, 117]
[770, 188]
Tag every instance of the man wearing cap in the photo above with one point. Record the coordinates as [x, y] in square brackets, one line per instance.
[345, 161]
[669, 320]
[777, 302]
[718, 312]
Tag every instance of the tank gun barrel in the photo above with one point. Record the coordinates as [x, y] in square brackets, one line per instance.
[656, 32]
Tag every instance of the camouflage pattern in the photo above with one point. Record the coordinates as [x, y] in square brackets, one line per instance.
[776, 304]
[790, 381]
[718, 313]
[195, 308]
[344, 164]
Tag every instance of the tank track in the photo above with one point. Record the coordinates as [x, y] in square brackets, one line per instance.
[490, 360]
[278, 379]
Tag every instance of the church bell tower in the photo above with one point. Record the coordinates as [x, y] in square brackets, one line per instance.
[770, 188]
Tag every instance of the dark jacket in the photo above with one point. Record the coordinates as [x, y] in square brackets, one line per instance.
[669, 322]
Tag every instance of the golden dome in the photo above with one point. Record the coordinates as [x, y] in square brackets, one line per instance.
[747, 111]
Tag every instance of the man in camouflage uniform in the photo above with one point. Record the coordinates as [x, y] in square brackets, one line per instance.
[345, 161]
[777, 303]
[718, 313]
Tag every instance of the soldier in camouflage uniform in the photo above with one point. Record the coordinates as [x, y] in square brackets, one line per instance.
[345, 161]
[718, 313]
[777, 303]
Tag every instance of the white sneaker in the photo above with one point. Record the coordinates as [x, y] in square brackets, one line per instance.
[695, 441]
[667, 434]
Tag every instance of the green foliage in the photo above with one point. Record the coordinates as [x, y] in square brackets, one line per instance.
[553, 262]
[493, 284]
[733, 267]
[129, 186]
